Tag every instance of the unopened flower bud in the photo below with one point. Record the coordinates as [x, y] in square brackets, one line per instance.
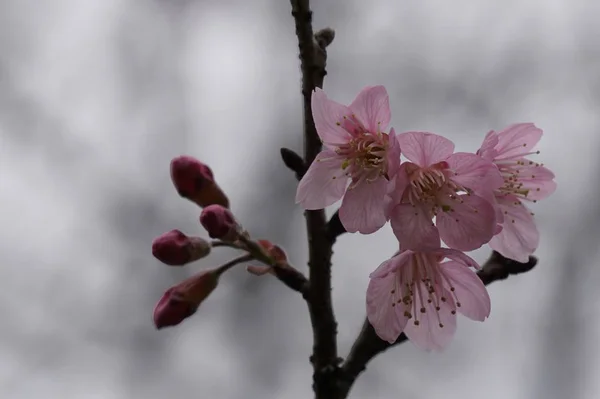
[219, 222]
[181, 301]
[195, 181]
[274, 251]
[176, 249]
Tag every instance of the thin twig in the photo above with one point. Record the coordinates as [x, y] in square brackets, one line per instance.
[312, 63]
[368, 344]
[240, 259]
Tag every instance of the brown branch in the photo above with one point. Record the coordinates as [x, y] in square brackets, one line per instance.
[368, 344]
[335, 228]
[312, 64]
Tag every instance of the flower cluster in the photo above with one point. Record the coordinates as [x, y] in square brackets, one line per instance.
[430, 194]
[194, 180]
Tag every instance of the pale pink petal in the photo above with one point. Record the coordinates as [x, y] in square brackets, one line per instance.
[457, 256]
[398, 184]
[538, 180]
[363, 207]
[517, 139]
[328, 116]
[386, 317]
[324, 183]
[390, 266]
[428, 334]
[424, 148]
[467, 223]
[372, 108]
[487, 150]
[469, 291]
[473, 172]
[413, 227]
[393, 154]
[519, 237]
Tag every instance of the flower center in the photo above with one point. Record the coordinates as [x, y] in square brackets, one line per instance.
[365, 157]
[420, 289]
[514, 172]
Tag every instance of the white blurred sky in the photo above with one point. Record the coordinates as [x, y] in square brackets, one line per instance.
[97, 96]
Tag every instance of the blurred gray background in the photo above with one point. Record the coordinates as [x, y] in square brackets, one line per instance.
[96, 97]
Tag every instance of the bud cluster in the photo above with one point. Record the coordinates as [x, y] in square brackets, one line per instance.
[195, 181]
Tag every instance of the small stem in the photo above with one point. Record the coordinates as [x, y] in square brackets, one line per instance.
[219, 243]
[240, 259]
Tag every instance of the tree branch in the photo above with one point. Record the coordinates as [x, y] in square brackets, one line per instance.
[368, 344]
[312, 63]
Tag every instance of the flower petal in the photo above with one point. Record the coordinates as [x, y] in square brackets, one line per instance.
[469, 291]
[386, 317]
[424, 148]
[473, 172]
[537, 179]
[399, 183]
[393, 154]
[328, 115]
[458, 257]
[363, 207]
[517, 139]
[372, 108]
[391, 265]
[324, 183]
[487, 150]
[468, 223]
[519, 237]
[435, 328]
[414, 228]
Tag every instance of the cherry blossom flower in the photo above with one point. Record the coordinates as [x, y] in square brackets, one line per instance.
[415, 293]
[356, 149]
[455, 188]
[524, 180]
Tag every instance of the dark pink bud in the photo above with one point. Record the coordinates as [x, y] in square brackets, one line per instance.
[176, 249]
[181, 301]
[274, 251]
[195, 181]
[219, 222]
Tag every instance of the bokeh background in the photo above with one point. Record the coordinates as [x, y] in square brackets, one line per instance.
[96, 97]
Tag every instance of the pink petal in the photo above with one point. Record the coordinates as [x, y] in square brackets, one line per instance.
[414, 228]
[519, 237]
[425, 149]
[458, 257]
[363, 207]
[469, 291]
[399, 183]
[517, 139]
[390, 266]
[388, 320]
[487, 150]
[393, 154]
[473, 172]
[327, 115]
[537, 179]
[428, 334]
[324, 183]
[469, 223]
[372, 108]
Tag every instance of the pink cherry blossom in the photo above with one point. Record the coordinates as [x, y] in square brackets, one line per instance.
[455, 188]
[415, 293]
[524, 180]
[357, 149]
